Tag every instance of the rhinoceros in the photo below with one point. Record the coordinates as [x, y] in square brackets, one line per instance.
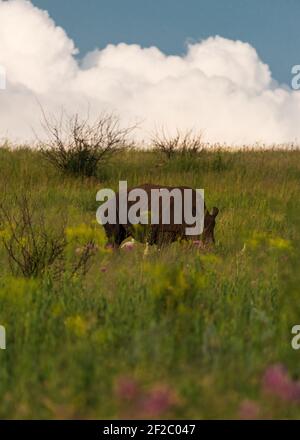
[160, 233]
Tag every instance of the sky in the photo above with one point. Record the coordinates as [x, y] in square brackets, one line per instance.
[271, 26]
[218, 68]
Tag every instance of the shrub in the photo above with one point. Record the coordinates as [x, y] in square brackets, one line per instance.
[77, 146]
[31, 245]
[35, 242]
[183, 143]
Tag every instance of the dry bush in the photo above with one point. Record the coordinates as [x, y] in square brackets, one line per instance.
[78, 146]
[30, 244]
[35, 244]
[183, 143]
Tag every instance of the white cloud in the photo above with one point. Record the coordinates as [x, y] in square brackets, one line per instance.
[219, 86]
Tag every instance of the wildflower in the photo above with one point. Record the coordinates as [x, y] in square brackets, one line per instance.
[158, 401]
[85, 234]
[210, 259]
[128, 245]
[76, 325]
[5, 234]
[249, 410]
[277, 382]
[127, 388]
[17, 292]
[280, 243]
[103, 269]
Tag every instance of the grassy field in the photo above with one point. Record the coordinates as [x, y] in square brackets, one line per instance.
[177, 332]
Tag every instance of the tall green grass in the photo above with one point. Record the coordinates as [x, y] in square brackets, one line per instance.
[176, 332]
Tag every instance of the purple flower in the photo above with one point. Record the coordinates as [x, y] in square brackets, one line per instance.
[128, 246]
[158, 401]
[277, 382]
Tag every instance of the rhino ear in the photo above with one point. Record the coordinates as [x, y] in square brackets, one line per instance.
[215, 212]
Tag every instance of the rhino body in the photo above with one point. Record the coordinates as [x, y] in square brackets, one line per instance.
[160, 233]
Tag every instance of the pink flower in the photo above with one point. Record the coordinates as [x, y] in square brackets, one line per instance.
[277, 382]
[158, 401]
[127, 388]
[249, 410]
[128, 246]
[109, 246]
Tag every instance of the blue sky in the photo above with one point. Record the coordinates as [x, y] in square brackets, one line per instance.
[271, 26]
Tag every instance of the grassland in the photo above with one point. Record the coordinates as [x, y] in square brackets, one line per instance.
[177, 332]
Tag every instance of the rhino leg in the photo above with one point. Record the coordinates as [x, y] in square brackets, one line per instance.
[115, 234]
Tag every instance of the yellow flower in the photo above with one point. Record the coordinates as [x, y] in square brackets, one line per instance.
[5, 234]
[84, 233]
[17, 292]
[280, 243]
[210, 259]
[76, 325]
